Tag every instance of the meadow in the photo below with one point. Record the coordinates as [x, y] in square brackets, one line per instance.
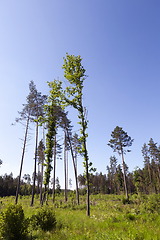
[112, 217]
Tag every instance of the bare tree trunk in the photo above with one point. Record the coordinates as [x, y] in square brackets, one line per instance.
[42, 167]
[35, 162]
[158, 173]
[54, 168]
[48, 193]
[86, 161]
[75, 171]
[24, 145]
[38, 181]
[124, 175]
[75, 143]
[149, 174]
[65, 167]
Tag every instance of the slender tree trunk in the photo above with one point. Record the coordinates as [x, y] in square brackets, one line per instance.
[48, 193]
[124, 174]
[149, 174]
[41, 181]
[38, 181]
[24, 145]
[42, 167]
[54, 168]
[86, 161]
[158, 174]
[75, 171]
[35, 162]
[75, 150]
[65, 167]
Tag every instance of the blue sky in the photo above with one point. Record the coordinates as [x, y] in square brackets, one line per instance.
[119, 44]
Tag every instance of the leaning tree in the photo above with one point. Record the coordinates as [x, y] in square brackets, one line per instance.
[26, 115]
[119, 142]
[38, 111]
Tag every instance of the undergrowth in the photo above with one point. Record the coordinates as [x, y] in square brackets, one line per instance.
[112, 217]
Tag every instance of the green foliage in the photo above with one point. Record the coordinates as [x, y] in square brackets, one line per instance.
[51, 117]
[130, 216]
[49, 143]
[44, 219]
[120, 140]
[58, 187]
[74, 72]
[110, 218]
[13, 224]
[153, 203]
[125, 200]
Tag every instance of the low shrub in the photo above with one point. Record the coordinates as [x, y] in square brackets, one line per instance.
[44, 219]
[130, 216]
[13, 225]
[125, 200]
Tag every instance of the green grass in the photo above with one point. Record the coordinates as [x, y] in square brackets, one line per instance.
[110, 217]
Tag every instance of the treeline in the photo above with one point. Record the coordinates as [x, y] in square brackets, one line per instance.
[145, 180]
[8, 186]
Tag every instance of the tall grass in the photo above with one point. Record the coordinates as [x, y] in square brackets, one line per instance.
[111, 217]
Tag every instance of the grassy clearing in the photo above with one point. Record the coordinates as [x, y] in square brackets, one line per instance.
[111, 217]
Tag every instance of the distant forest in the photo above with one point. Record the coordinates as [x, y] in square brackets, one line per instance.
[145, 180]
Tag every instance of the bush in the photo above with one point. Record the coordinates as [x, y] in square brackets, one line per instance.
[44, 218]
[125, 200]
[12, 223]
[130, 216]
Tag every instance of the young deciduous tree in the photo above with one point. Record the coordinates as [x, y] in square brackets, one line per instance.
[119, 141]
[74, 72]
[54, 103]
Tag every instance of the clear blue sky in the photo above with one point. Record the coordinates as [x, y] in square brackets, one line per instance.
[119, 42]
